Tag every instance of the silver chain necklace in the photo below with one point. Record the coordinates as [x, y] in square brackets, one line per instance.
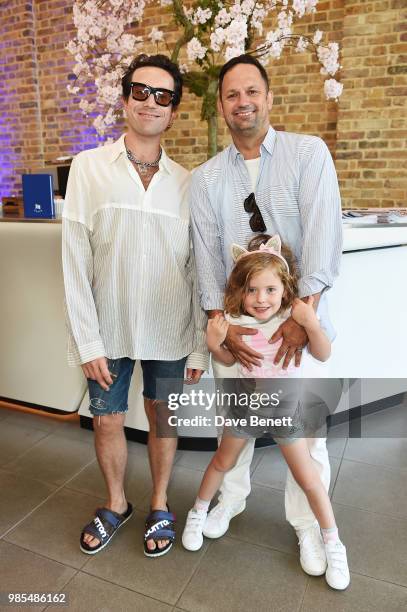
[143, 167]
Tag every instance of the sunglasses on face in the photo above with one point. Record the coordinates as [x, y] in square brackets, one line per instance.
[162, 97]
[256, 220]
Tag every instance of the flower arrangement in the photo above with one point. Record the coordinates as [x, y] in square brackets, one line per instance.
[211, 31]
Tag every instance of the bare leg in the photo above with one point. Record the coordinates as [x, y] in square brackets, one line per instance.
[223, 460]
[111, 452]
[305, 473]
[161, 453]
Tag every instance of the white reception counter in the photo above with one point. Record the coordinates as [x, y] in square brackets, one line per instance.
[367, 307]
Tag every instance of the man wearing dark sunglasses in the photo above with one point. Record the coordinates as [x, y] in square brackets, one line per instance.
[279, 183]
[131, 292]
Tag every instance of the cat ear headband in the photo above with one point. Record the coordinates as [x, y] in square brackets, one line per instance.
[272, 246]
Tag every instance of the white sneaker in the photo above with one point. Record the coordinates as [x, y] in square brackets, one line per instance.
[192, 535]
[312, 551]
[218, 519]
[337, 575]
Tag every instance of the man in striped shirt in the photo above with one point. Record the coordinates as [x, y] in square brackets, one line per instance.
[131, 293]
[274, 182]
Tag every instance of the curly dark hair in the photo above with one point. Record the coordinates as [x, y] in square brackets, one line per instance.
[157, 61]
[247, 267]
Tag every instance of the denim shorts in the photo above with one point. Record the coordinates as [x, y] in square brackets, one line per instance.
[160, 378]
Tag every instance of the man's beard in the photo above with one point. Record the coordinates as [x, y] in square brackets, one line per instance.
[249, 128]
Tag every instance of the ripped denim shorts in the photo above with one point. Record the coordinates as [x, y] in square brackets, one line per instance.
[159, 379]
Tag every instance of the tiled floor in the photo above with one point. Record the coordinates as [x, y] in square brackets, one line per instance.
[50, 484]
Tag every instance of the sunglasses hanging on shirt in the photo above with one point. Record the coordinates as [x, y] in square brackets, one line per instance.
[256, 220]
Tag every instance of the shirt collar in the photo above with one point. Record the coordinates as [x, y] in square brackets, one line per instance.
[267, 145]
[118, 148]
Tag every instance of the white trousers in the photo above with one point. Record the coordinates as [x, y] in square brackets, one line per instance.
[236, 484]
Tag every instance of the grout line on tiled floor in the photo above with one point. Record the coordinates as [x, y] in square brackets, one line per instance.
[47, 498]
[27, 450]
[263, 546]
[304, 594]
[354, 573]
[261, 485]
[31, 424]
[39, 554]
[377, 465]
[116, 584]
[193, 574]
[402, 586]
[191, 469]
[381, 514]
[10, 472]
[337, 476]
[63, 588]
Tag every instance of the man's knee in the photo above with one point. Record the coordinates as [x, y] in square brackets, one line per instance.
[151, 407]
[109, 423]
[158, 413]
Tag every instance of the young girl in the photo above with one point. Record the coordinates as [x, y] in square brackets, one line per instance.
[261, 292]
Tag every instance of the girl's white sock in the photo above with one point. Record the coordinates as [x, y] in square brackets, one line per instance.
[201, 505]
[330, 535]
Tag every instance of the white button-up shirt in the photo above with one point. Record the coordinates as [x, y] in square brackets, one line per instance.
[129, 270]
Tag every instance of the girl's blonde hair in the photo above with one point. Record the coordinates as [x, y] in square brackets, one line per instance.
[248, 266]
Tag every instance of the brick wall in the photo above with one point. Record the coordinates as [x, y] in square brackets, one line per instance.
[20, 117]
[366, 132]
[371, 153]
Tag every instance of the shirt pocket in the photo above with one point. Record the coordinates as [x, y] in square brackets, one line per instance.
[279, 200]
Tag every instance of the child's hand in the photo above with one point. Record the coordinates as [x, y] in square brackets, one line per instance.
[216, 331]
[304, 314]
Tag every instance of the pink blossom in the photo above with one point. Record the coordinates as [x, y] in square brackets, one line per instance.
[232, 52]
[332, 89]
[105, 42]
[300, 7]
[73, 89]
[201, 16]
[258, 15]
[247, 7]
[156, 35]
[222, 18]
[195, 50]
[236, 32]
[301, 45]
[328, 56]
[217, 39]
[86, 107]
[317, 37]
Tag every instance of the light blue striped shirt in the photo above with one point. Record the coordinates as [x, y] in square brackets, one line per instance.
[298, 195]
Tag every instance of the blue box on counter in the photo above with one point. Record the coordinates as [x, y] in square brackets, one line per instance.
[38, 196]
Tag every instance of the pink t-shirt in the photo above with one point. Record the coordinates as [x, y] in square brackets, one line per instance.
[260, 343]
